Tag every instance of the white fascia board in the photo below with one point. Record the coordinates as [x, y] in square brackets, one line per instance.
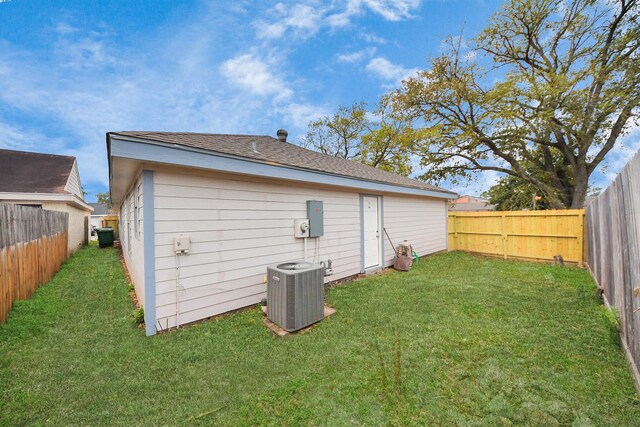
[46, 197]
[184, 156]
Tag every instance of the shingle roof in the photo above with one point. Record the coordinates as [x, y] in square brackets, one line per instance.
[24, 172]
[99, 208]
[268, 149]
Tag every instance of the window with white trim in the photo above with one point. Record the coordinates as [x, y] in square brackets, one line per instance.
[136, 231]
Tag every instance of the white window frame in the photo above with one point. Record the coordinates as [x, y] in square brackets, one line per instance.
[136, 229]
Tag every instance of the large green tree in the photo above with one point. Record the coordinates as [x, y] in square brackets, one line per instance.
[381, 138]
[553, 86]
[103, 198]
[512, 193]
[339, 135]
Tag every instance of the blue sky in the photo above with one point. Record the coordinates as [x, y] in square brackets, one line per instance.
[70, 71]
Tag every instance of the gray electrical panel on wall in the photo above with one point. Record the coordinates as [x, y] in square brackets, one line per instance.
[315, 214]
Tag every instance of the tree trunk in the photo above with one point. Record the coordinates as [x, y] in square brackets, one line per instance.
[580, 189]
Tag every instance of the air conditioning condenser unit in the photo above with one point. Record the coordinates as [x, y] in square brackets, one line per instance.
[295, 294]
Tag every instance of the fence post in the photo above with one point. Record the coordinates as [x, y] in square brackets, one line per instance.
[581, 239]
[503, 229]
[455, 232]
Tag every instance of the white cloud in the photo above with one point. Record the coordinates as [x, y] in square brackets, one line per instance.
[255, 76]
[372, 38]
[353, 57]
[64, 28]
[299, 115]
[342, 18]
[305, 19]
[15, 137]
[338, 20]
[391, 73]
[392, 10]
[302, 19]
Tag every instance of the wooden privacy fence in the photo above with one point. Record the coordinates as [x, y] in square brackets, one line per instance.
[33, 245]
[613, 253]
[532, 235]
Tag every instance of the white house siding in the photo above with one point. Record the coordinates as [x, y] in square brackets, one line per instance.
[421, 221]
[132, 236]
[96, 220]
[73, 183]
[76, 222]
[239, 225]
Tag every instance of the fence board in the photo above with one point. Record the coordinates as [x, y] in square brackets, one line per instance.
[533, 235]
[613, 253]
[33, 245]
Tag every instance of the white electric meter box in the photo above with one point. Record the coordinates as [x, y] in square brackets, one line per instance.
[182, 244]
[301, 228]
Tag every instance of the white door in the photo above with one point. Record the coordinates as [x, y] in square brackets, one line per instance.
[371, 231]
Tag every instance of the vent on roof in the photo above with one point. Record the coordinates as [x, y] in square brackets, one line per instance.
[282, 135]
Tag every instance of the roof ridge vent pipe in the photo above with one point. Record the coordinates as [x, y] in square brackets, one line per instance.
[254, 147]
[282, 135]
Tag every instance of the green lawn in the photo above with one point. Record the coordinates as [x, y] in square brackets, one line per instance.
[460, 340]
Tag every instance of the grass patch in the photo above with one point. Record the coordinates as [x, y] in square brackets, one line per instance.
[459, 340]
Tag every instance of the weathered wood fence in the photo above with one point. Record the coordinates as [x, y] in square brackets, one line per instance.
[613, 253]
[531, 235]
[33, 245]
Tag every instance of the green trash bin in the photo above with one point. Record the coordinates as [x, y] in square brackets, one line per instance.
[106, 236]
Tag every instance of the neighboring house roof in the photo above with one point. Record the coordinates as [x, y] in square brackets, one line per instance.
[266, 149]
[23, 172]
[36, 177]
[469, 199]
[99, 209]
[472, 206]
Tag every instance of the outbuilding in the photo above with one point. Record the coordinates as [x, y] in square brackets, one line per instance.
[236, 202]
[100, 211]
[46, 181]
